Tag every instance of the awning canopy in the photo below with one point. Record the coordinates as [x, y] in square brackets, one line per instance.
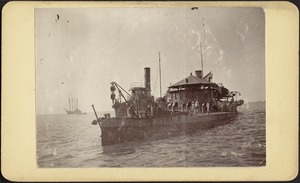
[192, 80]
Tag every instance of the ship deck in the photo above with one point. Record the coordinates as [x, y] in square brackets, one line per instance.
[167, 120]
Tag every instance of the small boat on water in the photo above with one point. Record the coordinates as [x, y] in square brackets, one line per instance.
[73, 106]
[192, 103]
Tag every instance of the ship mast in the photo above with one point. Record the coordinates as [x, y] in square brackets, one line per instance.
[159, 75]
[69, 102]
[76, 102]
[200, 46]
[72, 102]
[201, 59]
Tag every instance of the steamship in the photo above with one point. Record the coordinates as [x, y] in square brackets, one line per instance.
[193, 103]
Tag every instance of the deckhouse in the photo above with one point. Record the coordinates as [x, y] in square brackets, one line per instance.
[193, 88]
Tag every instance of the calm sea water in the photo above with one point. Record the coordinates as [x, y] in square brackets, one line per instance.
[71, 141]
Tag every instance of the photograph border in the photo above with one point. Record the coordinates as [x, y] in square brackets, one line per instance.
[18, 129]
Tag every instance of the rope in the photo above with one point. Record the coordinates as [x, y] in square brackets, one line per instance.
[163, 77]
[156, 79]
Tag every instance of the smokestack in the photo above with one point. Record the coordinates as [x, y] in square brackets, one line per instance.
[199, 74]
[147, 80]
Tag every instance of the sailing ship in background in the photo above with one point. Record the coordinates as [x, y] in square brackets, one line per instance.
[73, 105]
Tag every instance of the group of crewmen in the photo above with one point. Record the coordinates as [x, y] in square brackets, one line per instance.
[195, 107]
[192, 107]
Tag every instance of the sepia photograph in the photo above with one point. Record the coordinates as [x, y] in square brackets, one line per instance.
[149, 91]
[150, 87]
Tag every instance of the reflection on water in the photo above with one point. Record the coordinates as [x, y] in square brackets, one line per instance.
[71, 141]
[118, 149]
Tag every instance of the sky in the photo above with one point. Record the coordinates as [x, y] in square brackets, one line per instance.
[82, 50]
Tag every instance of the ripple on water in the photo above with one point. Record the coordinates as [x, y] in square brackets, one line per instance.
[71, 141]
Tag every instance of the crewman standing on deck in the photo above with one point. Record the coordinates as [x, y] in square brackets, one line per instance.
[203, 108]
[208, 107]
[196, 106]
[193, 107]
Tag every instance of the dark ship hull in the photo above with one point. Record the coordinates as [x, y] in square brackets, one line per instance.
[120, 130]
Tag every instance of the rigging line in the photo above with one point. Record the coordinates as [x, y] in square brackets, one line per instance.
[120, 92]
[123, 89]
[156, 80]
[163, 77]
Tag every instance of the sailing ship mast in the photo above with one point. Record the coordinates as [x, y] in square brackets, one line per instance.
[69, 102]
[72, 99]
[159, 75]
[76, 101]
